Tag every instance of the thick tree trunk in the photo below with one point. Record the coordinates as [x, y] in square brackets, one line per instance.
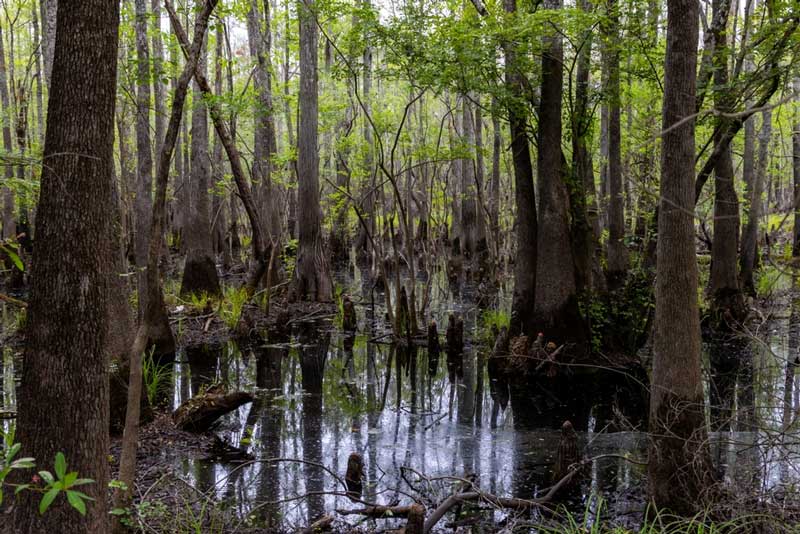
[522, 305]
[63, 397]
[583, 197]
[678, 450]
[617, 257]
[556, 308]
[200, 271]
[725, 293]
[312, 279]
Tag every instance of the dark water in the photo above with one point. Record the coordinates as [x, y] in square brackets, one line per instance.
[322, 396]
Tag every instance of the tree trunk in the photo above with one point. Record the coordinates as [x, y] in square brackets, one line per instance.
[617, 252]
[264, 142]
[678, 449]
[749, 253]
[725, 293]
[200, 271]
[9, 225]
[63, 396]
[312, 279]
[49, 16]
[556, 308]
[524, 196]
[144, 156]
[159, 88]
[583, 197]
[796, 173]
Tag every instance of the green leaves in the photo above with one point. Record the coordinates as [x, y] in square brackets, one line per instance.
[63, 481]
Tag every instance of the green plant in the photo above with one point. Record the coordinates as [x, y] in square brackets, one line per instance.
[232, 304]
[63, 481]
[155, 376]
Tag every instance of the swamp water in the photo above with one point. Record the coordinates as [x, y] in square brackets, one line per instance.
[321, 396]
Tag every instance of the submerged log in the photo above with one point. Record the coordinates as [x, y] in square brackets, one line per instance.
[199, 413]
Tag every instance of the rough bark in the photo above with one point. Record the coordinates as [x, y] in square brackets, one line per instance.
[524, 196]
[9, 225]
[264, 142]
[312, 279]
[63, 397]
[748, 259]
[49, 16]
[796, 174]
[678, 449]
[617, 255]
[556, 307]
[159, 88]
[144, 156]
[200, 270]
[725, 293]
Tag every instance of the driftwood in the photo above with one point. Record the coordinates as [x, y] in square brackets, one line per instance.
[200, 412]
[322, 524]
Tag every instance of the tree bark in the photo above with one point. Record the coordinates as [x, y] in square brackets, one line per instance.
[9, 225]
[725, 293]
[748, 259]
[63, 397]
[556, 308]
[312, 279]
[678, 449]
[144, 155]
[796, 173]
[524, 196]
[200, 271]
[617, 252]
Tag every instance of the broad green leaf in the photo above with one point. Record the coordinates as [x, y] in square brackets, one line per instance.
[70, 479]
[82, 481]
[14, 258]
[47, 500]
[76, 502]
[23, 463]
[46, 476]
[20, 488]
[61, 465]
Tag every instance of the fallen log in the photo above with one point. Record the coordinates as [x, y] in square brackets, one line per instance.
[199, 413]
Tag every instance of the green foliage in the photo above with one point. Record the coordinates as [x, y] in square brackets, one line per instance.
[490, 320]
[619, 321]
[772, 278]
[232, 304]
[156, 378]
[49, 485]
[10, 250]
